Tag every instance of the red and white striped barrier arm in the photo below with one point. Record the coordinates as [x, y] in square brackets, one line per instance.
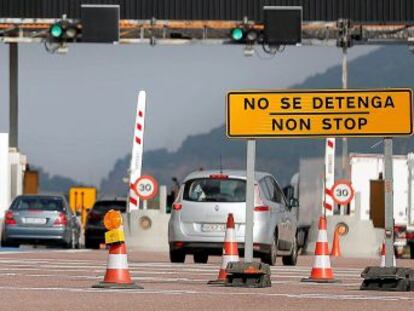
[328, 201]
[137, 151]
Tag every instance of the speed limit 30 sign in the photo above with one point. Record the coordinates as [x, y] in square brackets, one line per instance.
[146, 187]
[342, 192]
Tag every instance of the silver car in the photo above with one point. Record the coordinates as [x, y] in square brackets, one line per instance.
[199, 214]
[40, 219]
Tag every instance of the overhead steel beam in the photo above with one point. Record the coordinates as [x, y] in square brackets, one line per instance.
[207, 32]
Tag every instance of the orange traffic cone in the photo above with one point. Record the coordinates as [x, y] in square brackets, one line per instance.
[321, 270]
[336, 249]
[117, 273]
[230, 250]
[383, 257]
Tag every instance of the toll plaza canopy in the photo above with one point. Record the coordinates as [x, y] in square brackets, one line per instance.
[366, 11]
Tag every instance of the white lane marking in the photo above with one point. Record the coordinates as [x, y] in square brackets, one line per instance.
[192, 267]
[57, 263]
[328, 296]
[101, 268]
[88, 277]
[45, 250]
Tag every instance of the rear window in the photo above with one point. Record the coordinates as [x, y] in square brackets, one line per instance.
[215, 190]
[104, 206]
[38, 203]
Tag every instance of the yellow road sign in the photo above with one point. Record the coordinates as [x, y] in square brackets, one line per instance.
[319, 113]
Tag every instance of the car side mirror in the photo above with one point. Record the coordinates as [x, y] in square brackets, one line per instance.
[293, 203]
[288, 192]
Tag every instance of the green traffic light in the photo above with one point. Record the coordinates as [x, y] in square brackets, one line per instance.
[56, 30]
[237, 34]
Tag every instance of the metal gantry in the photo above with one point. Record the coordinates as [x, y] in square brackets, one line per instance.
[173, 32]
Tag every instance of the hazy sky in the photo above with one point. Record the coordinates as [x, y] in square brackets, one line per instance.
[77, 110]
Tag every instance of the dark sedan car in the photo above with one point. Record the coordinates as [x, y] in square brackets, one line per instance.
[40, 219]
[94, 229]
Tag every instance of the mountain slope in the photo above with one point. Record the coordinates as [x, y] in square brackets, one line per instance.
[386, 67]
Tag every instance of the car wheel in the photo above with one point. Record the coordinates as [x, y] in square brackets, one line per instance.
[177, 256]
[200, 258]
[91, 244]
[270, 257]
[292, 259]
[5, 243]
[412, 251]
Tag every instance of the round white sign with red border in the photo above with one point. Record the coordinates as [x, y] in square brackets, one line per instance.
[146, 187]
[342, 192]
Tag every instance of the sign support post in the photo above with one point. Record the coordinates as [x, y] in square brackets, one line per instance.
[250, 168]
[388, 201]
[344, 139]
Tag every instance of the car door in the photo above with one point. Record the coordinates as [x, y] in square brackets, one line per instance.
[278, 212]
[289, 217]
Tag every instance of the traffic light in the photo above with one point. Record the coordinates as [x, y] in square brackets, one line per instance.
[245, 35]
[64, 31]
[344, 38]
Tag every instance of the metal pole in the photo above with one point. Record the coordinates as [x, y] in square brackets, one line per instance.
[344, 67]
[344, 139]
[250, 168]
[388, 200]
[410, 162]
[13, 95]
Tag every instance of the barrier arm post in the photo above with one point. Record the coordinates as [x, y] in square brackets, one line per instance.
[388, 200]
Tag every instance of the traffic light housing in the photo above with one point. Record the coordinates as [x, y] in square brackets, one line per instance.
[65, 31]
[245, 34]
[344, 36]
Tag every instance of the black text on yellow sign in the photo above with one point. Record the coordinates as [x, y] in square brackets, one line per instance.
[320, 113]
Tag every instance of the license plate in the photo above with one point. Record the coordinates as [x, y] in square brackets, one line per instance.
[400, 242]
[213, 227]
[35, 221]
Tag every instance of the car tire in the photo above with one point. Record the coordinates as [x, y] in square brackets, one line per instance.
[90, 244]
[5, 243]
[411, 250]
[270, 257]
[200, 258]
[292, 259]
[177, 256]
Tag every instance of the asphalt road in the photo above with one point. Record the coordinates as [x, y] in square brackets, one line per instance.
[62, 279]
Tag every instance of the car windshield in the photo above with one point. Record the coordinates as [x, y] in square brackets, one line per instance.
[104, 206]
[38, 203]
[215, 190]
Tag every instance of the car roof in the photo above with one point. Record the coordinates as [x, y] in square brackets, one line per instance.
[111, 198]
[34, 196]
[231, 173]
